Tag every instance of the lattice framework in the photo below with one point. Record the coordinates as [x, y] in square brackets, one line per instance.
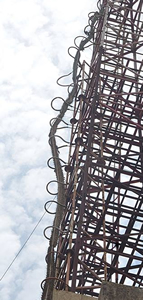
[102, 232]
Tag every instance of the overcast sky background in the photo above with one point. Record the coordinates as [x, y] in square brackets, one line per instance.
[34, 37]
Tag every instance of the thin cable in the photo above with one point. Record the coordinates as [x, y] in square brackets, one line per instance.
[23, 246]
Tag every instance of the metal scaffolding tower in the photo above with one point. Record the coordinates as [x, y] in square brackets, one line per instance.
[101, 231]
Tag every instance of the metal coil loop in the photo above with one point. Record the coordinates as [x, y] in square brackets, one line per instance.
[52, 201]
[61, 120]
[51, 158]
[58, 136]
[53, 278]
[52, 181]
[54, 100]
[52, 227]
[63, 85]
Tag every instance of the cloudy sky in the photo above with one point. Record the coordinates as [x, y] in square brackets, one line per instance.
[34, 37]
